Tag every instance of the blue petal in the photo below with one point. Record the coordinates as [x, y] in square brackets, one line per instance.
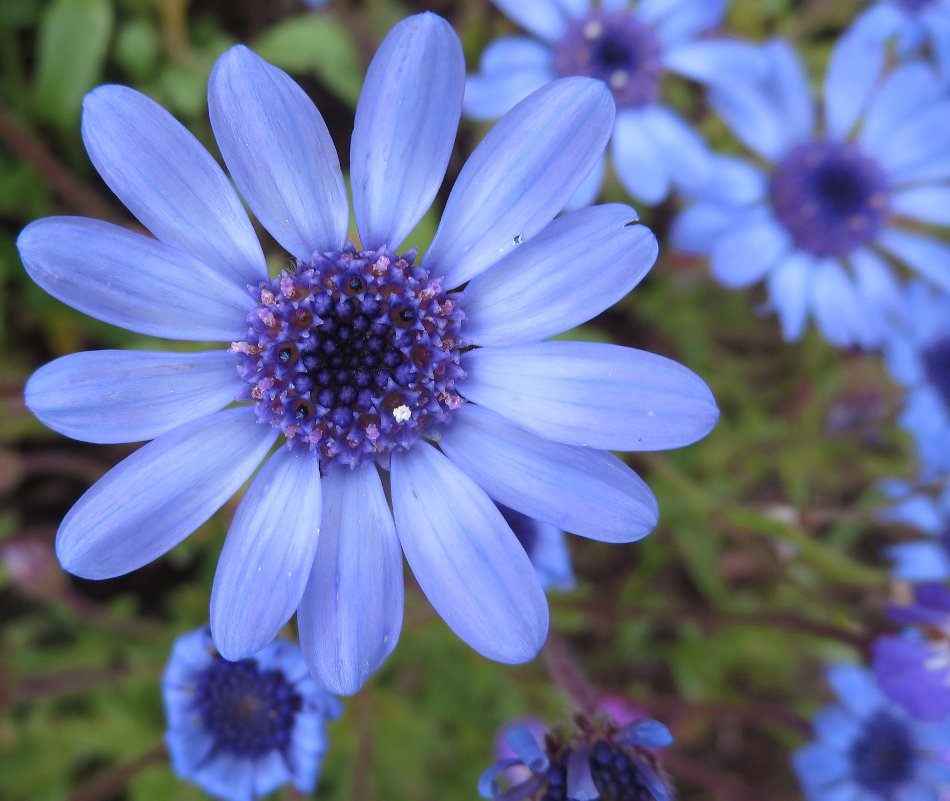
[351, 613]
[157, 168]
[852, 73]
[546, 19]
[733, 180]
[586, 492]
[792, 91]
[929, 257]
[110, 396]
[487, 786]
[587, 193]
[418, 76]
[523, 743]
[838, 311]
[133, 281]
[548, 553]
[580, 780]
[689, 161]
[637, 159]
[592, 394]
[465, 557]
[270, 772]
[646, 733]
[753, 118]
[815, 763]
[267, 556]
[488, 97]
[715, 61]
[189, 746]
[513, 53]
[856, 688]
[156, 497]
[744, 254]
[191, 654]
[836, 728]
[920, 139]
[919, 561]
[688, 18]
[279, 152]
[228, 777]
[697, 228]
[789, 292]
[521, 175]
[877, 286]
[927, 204]
[907, 90]
[528, 296]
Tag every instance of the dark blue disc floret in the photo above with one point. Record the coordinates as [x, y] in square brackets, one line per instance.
[353, 355]
[831, 198]
[617, 48]
[247, 711]
[883, 755]
[936, 361]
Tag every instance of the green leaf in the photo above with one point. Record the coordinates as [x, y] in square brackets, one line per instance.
[74, 35]
[318, 44]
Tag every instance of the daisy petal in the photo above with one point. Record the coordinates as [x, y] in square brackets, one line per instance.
[592, 394]
[788, 292]
[267, 556]
[927, 204]
[743, 255]
[166, 178]
[130, 396]
[418, 74]
[521, 175]
[488, 97]
[528, 295]
[637, 160]
[929, 257]
[465, 557]
[852, 73]
[279, 151]
[546, 19]
[156, 497]
[133, 281]
[907, 89]
[351, 613]
[583, 491]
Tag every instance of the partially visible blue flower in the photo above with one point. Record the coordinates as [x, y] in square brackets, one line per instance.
[630, 46]
[914, 27]
[315, 3]
[598, 760]
[923, 559]
[833, 202]
[917, 354]
[404, 409]
[914, 667]
[546, 546]
[240, 730]
[869, 748]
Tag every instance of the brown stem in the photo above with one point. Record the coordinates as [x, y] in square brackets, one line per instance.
[67, 187]
[566, 674]
[109, 783]
[753, 714]
[27, 690]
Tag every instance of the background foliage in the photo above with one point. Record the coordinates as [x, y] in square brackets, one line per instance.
[765, 566]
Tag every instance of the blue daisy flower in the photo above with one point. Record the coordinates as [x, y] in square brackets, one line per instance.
[598, 760]
[631, 47]
[914, 668]
[815, 216]
[870, 749]
[240, 730]
[917, 355]
[923, 559]
[357, 359]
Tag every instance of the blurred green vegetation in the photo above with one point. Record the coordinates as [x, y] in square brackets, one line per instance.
[765, 564]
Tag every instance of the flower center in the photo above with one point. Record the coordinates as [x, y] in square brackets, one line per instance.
[614, 769]
[936, 359]
[883, 756]
[830, 197]
[353, 355]
[614, 47]
[248, 711]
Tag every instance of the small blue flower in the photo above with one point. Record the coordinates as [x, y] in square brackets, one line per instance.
[631, 47]
[600, 760]
[869, 748]
[814, 223]
[357, 359]
[917, 354]
[240, 730]
[922, 559]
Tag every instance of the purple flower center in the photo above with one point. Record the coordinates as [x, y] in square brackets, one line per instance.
[353, 355]
[614, 47]
[831, 198]
[614, 768]
[248, 711]
[936, 359]
[882, 757]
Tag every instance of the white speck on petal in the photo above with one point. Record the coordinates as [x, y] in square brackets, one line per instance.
[402, 413]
